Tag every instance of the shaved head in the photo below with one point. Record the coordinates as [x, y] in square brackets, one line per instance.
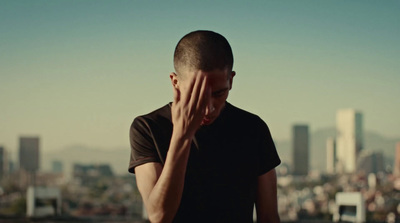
[202, 50]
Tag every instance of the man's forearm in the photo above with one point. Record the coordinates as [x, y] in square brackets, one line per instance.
[267, 203]
[163, 201]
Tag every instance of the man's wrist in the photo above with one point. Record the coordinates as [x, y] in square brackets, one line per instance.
[181, 135]
[180, 145]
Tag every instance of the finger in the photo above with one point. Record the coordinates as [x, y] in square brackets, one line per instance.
[196, 90]
[186, 93]
[205, 95]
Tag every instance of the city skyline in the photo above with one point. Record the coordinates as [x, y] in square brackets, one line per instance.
[79, 72]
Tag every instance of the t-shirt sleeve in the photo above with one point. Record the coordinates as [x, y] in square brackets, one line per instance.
[143, 149]
[269, 158]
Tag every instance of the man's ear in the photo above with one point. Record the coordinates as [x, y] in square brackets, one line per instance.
[174, 80]
[233, 73]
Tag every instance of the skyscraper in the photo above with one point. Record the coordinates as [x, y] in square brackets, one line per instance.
[349, 141]
[330, 155]
[29, 153]
[370, 162]
[300, 150]
[3, 162]
[396, 170]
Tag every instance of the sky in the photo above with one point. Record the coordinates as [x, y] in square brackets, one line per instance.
[78, 72]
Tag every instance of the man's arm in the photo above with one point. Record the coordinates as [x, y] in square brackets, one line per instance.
[161, 187]
[266, 203]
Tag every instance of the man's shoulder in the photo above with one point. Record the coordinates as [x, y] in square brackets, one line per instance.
[241, 114]
[162, 112]
[161, 116]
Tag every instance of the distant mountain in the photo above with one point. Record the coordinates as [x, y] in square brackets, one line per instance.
[118, 158]
[372, 141]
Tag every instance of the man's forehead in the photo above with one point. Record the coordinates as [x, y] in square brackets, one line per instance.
[216, 73]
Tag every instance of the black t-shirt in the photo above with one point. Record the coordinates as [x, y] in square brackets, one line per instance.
[225, 161]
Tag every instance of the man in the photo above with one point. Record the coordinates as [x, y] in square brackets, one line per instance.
[199, 158]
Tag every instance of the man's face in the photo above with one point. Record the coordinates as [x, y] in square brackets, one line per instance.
[220, 82]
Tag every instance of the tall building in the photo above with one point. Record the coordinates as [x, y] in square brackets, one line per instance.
[3, 162]
[29, 154]
[396, 170]
[300, 150]
[370, 162]
[349, 139]
[330, 155]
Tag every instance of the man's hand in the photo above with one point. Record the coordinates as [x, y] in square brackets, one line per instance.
[189, 105]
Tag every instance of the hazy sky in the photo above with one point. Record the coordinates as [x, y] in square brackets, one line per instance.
[78, 72]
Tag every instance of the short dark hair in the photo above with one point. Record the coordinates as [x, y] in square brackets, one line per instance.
[203, 50]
